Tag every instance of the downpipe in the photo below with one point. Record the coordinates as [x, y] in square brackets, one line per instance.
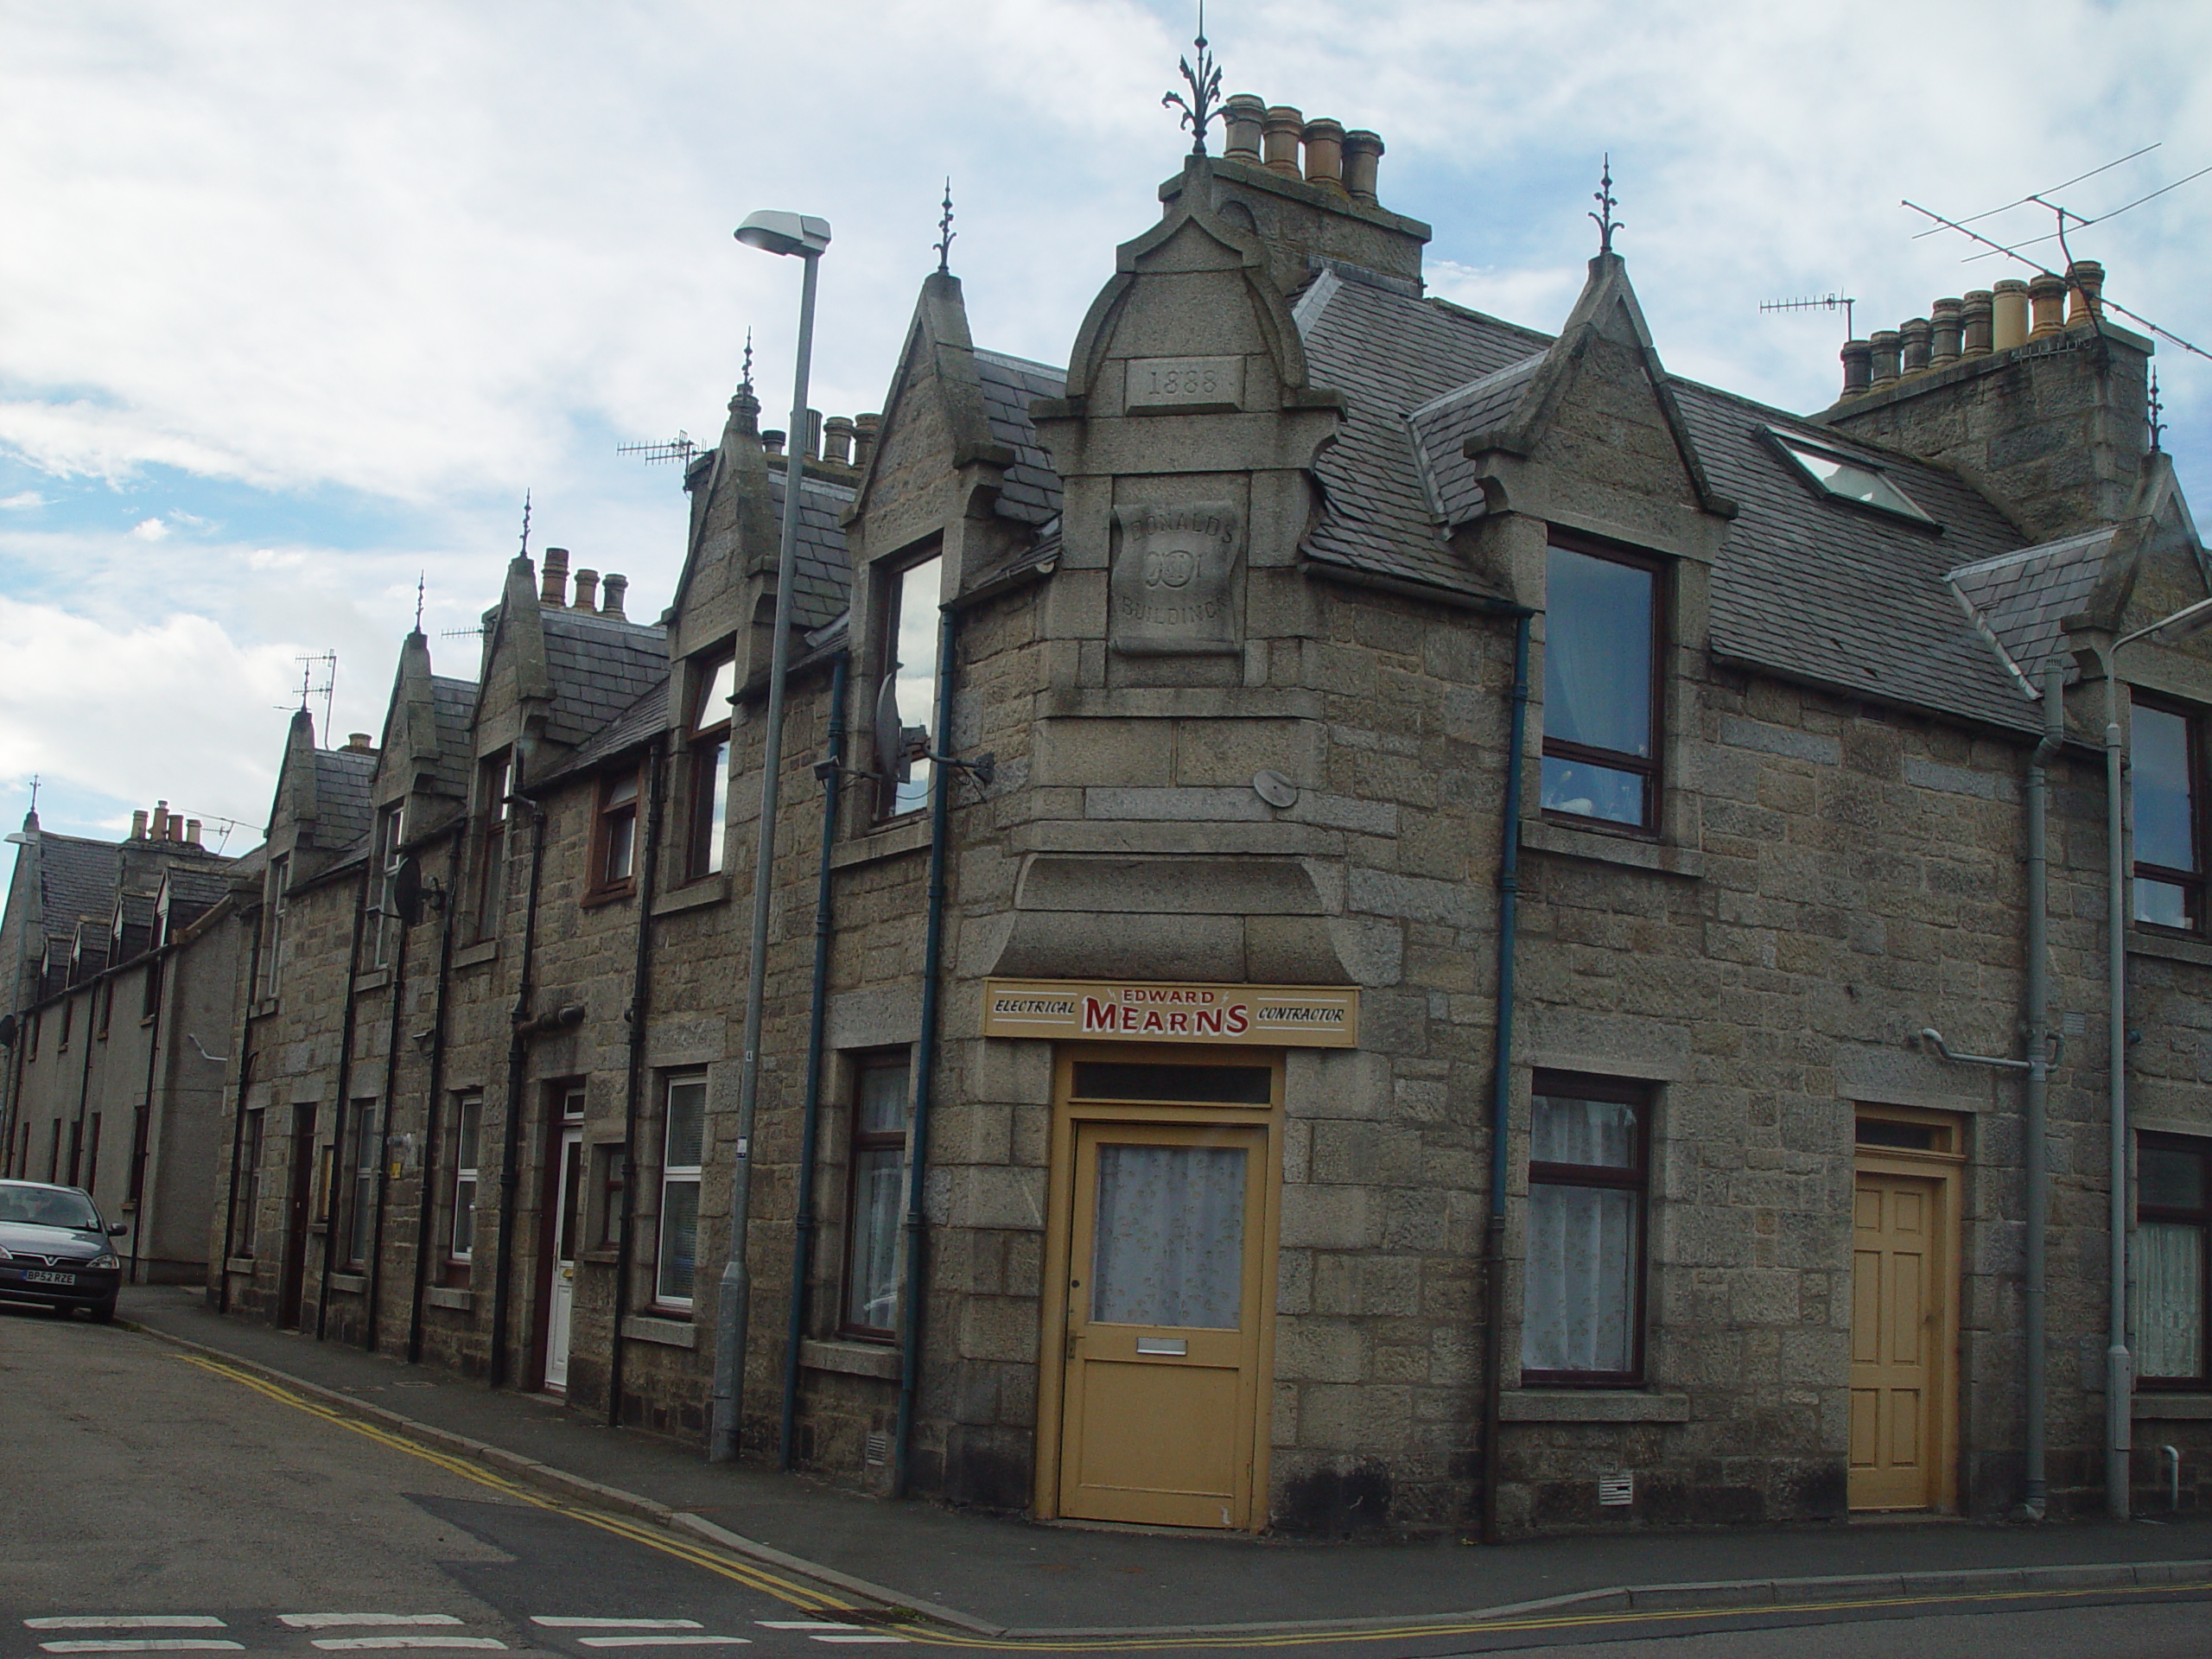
[2036, 1115]
[2119, 1365]
[634, 1075]
[238, 1120]
[517, 1063]
[426, 1193]
[334, 1213]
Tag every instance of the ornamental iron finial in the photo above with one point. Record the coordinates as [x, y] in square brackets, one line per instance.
[1604, 197]
[945, 234]
[525, 524]
[421, 578]
[1202, 107]
[744, 381]
[2157, 426]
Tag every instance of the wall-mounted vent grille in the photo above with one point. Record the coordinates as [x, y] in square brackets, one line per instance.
[1615, 1492]
[876, 1449]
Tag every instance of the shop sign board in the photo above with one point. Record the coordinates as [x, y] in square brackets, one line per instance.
[1273, 1016]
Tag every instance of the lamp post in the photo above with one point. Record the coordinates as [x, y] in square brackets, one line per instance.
[2119, 1381]
[806, 237]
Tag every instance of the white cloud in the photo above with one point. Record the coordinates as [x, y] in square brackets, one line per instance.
[21, 501]
[150, 530]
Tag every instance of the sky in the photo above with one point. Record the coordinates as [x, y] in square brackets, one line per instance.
[297, 302]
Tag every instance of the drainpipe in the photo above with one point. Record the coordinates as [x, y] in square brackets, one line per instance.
[2036, 1118]
[396, 1009]
[517, 1060]
[633, 1080]
[2119, 1365]
[332, 1208]
[237, 1119]
[84, 1080]
[831, 771]
[916, 1224]
[141, 1124]
[425, 1196]
[1501, 1085]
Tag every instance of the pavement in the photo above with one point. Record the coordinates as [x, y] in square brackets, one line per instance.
[1002, 1577]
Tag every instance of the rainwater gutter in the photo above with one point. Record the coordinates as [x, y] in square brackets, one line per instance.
[426, 1195]
[1501, 1090]
[395, 1010]
[342, 1108]
[517, 1062]
[916, 1226]
[831, 771]
[634, 1075]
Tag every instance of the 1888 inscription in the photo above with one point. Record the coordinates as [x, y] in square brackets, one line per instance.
[1183, 385]
[1172, 589]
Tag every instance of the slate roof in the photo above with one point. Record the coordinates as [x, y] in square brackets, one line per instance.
[342, 778]
[194, 892]
[640, 722]
[1032, 494]
[453, 703]
[77, 879]
[1806, 585]
[598, 667]
[823, 579]
[2022, 598]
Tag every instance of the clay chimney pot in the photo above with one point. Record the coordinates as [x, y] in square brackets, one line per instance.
[1950, 326]
[837, 441]
[1362, 154]
[1913, 344]
[138, 824]
[2047, 299]
[192, 831]
[771, 440]
[586, 590]
[864, 430]
[1242, 116]
[610, 603]
[159, 829]
[1325, 154]
[1883, 344]
[1858, 367]
[553, 589]
[1974, 314]
[2085, 280]
[2008, 316]
[1280, 139]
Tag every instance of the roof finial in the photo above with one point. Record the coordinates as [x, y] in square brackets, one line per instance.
[1604, 197]
[1202, 107]
[746, 382]
[525, 524]
[2157, 426]
[945, 233]
[34, 795]
[421, 578]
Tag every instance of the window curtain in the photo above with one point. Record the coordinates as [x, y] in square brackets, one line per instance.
[1581, 1304]
[2170, 1300]
[1170, 1248]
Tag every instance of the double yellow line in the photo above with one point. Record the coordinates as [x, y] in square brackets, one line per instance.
[808, 1599]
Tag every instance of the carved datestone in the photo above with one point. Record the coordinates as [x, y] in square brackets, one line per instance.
[1171, 590]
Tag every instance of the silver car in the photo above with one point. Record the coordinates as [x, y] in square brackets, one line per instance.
[55, 1250]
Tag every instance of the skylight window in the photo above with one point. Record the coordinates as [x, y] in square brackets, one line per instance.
[1851, 481]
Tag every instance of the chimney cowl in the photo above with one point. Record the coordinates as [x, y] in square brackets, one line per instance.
[1913, 341]
[554, 590]
[837, 439]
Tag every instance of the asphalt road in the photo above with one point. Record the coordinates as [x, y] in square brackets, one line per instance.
[155, 1502]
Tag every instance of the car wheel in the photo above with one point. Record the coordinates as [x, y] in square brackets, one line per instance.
[102, 1313]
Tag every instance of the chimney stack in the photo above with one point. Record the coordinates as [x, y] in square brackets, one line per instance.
[553, 593]
[837, 441]
[1281, 128]
[611, 604]
[1325, 154]
[586, 590]
[1242, 116]
[864, 430]
[138, 824]
[1362, 155]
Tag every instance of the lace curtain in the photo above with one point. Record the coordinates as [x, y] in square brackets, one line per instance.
[1170, 1248]
[2170, 1302]
[1580, 1306]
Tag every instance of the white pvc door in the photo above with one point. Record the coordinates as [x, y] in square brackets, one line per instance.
[568, 1203]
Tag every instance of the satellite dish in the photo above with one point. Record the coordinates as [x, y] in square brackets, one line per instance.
[7, 1031]
[407, 889]
[892, 757]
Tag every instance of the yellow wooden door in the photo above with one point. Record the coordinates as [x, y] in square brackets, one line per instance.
[1164, 1315]
[1901, 1318]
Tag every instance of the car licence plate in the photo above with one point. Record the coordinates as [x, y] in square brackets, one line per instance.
[34, 1276]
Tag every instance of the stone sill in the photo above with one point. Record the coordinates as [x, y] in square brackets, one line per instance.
[354, 1283]
[460, 1301]
[1592, 1405]
[1562, 842]
[244, 1264]
[613, 895]
[891, 842]
[374, 980]
[2167, 947]
[853, 1358]
[1179, 702]
[484, 950]
[1126, 836]
[674, 1333]
[2157, 1406]
[693, 895]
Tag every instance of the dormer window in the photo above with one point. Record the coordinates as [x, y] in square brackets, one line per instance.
[1849, 478]
[1602, 634]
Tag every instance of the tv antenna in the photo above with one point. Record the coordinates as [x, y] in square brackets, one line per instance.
[679, 448]
[327, 663]
[226, 824]
[2043, 199]
[1842, 303]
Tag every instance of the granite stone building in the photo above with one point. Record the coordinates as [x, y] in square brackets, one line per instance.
[1380, 920]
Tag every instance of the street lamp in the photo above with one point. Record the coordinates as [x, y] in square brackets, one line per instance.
[2120, 1381]
[803, 235]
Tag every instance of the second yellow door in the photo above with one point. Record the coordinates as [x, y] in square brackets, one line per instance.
[1900, 1338]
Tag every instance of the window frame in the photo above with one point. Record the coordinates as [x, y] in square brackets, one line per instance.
[360, 1187]
[857, 1143]
[2192, 884]
[1798, 451]
[391, 825]
[707, 748]
[280, 906]
[1643, 1097]
[250, 1153]
[1652, 769]
[2200, 1219]
[612, 816]
[670, 1177]
[891, 593]
[495, 784]
[465, 1171]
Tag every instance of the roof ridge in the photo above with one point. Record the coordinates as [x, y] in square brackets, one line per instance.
[1013, 358]
[2077, 540]
[1481, 383]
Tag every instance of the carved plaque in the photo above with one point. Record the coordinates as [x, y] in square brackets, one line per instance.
[1171, 583]
[1184, 385]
